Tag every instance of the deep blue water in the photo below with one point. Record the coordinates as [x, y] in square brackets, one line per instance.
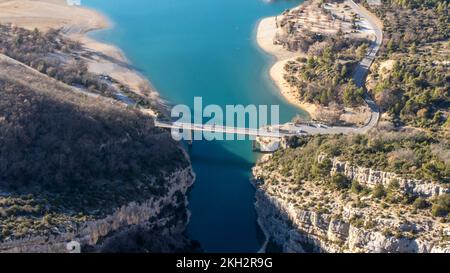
[205, 48]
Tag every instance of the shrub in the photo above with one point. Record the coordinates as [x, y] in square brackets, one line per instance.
[394, 185]
[420, 203]
[322, 169]
[340, 181]
[379, 191]
[356, 187]
[441, 206]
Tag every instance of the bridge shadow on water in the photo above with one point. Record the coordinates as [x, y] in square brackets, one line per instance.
[223, 172]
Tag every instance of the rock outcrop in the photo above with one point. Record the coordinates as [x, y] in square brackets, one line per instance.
[268, 144]
[370, 178]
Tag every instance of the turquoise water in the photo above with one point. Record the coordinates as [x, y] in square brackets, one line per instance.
[205, 48]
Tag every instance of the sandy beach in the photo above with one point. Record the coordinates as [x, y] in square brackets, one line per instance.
[264, 37]
[47, 14]
[312, 19]
[75, 22]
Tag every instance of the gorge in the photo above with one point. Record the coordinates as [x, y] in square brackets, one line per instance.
[110, 179]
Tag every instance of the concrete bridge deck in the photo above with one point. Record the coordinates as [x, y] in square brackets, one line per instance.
[262, 132]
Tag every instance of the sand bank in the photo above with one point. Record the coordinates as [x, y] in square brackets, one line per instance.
[265, 34]
[47, 14]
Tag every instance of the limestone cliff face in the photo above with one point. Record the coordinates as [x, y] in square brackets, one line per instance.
[267, 144]
[290, 216]
[371, 178]
[93, 235]
[299, 231]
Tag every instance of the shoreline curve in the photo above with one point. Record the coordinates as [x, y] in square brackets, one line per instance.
[265, 32]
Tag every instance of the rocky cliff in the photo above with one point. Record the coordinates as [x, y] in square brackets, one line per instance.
[311, 217]
[167, 214]
[301, 231]
[370, 178]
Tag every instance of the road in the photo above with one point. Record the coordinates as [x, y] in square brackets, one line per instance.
[362, 68]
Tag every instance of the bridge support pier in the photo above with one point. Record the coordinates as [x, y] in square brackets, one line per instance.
[191, 138]
[254, 146]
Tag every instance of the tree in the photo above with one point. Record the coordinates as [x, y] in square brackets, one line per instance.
[340, 181]
[390, 46]
[379, 191]
[413, 49]
[356, 187]
[322, 169]
[420, 203]
[317, 49]
[441, 206]
[387, 99]
[344, 71]
[361, 51]
[352, 96]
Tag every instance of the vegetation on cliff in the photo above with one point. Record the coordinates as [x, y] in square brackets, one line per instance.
[412, 23]
[63, 161]
[346, 214]
[410, 153]
[414, 91]
[305, 180]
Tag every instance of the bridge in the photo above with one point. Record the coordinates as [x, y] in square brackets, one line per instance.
[272, 132]
[269, 132]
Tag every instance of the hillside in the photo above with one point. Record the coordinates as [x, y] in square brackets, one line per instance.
[78, 164]
[410, 79]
